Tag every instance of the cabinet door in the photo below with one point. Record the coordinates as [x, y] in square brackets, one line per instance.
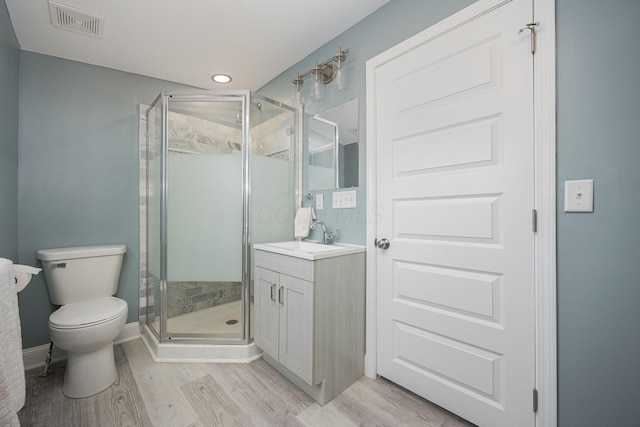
[296, 326]
[266, 284]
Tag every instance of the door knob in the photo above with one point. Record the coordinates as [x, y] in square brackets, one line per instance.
[382, 243]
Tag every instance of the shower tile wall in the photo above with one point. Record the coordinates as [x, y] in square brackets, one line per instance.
[273, 138]
[194, 135]
[186, 297]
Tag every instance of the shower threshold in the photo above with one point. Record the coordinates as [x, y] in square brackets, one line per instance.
[211, 320]
[178, 352]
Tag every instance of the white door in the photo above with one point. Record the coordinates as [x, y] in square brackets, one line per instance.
[455, 193]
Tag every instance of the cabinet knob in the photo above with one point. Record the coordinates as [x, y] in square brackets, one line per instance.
[273, 291]
[280, 295]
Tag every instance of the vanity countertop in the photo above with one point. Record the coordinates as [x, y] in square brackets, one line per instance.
[309, 250]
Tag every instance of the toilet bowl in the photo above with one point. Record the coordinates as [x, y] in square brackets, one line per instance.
[83, 280]
[86, 330]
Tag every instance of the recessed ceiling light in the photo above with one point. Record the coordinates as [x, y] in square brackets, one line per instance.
[221, 78]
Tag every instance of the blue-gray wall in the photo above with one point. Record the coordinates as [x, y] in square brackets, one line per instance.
[388, 26]
[598, 65]
[78, 170]
[9, 82]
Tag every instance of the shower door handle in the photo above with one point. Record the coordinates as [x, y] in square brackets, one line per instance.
[280, 295]
[273, 289]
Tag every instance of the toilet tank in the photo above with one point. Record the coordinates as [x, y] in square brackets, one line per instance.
[81, 273]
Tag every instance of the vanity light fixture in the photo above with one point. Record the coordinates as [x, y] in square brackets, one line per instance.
[221, 78]
[331, 70]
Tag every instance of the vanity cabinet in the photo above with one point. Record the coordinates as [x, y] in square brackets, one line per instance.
[309, 319]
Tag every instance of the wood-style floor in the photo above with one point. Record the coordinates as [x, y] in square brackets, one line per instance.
[176, 394]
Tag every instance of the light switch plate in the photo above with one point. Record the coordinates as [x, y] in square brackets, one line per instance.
[578, 195]
[344, 199]
[319, 201]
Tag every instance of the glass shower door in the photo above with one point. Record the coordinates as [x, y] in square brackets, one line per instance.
[205, 218]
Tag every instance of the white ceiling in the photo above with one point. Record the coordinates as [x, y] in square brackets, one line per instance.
[186, 41]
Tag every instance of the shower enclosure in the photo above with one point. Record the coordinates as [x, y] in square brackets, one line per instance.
[219, 177]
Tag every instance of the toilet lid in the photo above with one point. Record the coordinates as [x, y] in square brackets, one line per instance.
[87, 313]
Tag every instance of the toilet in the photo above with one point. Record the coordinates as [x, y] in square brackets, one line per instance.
[83, 280]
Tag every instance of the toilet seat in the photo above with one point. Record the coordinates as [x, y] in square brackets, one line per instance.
[87, 313]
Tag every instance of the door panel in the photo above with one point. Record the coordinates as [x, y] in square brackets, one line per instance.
[296, 326]
[266, 284]
[452, 361]
[460, 146]
[454, 143]
[464, 292]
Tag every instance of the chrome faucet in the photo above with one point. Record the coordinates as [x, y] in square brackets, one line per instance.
[328, 237]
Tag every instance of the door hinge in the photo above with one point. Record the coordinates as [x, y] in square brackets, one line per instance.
[531, 27]
[534, 220]
[535, 400]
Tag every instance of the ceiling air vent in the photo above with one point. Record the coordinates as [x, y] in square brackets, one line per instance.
[76, 20]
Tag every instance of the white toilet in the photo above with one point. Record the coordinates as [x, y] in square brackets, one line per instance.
[82, 280]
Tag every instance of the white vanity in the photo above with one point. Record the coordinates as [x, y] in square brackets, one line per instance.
[309, 313]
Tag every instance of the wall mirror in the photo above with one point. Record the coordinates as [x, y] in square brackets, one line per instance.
[332, 159]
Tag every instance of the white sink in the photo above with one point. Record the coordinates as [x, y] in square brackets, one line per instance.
[308, 249]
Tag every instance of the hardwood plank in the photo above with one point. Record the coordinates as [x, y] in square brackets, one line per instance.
[82, 410]
[413, 405]
[267, 398]
[43, 394]
[322, 416]
[274, 382]
[379, 402]
[159, 384]
[212, 404]
[358, 407]
[122, 403]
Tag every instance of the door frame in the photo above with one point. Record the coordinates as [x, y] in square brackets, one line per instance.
[544, 194]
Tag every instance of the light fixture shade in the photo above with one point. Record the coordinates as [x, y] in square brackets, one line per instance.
[297, 95]
[317, 91]
[339, 80]
[297, 90]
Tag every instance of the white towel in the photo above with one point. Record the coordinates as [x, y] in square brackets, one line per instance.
[12, 385]
[302, 222]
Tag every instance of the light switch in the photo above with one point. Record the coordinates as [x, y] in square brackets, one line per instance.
[578, 195]
[319, 201]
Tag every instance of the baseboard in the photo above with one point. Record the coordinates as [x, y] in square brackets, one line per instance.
[130, 332]
[35, 357]
[369, 368]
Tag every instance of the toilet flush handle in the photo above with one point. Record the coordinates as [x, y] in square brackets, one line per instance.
[58, 265]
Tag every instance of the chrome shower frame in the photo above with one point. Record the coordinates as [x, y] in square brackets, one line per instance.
[245, 97]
